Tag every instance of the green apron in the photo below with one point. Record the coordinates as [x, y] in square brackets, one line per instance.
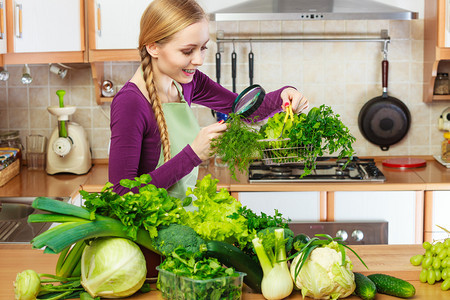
[183, 128]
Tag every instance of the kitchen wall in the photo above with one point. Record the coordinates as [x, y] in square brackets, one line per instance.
[344, 75]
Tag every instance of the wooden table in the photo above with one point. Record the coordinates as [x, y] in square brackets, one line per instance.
[387, 259]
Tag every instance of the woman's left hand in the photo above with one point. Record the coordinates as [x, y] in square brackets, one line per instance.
[291, 96]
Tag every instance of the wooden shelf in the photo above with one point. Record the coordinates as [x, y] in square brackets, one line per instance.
[441, 97]
[97, 78]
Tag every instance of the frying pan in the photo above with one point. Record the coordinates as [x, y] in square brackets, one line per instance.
[384, 120]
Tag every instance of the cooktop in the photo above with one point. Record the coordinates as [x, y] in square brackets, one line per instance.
[328, 169]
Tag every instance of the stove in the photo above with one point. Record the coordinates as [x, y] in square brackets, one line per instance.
[328, 169]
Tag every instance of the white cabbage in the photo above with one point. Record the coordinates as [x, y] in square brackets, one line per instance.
[112, 268]
[322, 276]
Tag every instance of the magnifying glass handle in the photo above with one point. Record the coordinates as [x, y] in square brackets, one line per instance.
[233, 70]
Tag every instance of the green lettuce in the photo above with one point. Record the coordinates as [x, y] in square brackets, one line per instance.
[211, 220]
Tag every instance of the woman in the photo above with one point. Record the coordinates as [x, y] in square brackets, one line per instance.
[153, 129]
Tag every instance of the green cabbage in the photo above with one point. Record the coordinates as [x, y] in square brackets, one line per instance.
[112, 268]
[323, 276]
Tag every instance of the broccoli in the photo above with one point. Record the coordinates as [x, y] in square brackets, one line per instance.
[175, 235]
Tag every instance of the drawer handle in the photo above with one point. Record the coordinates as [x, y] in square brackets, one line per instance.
[18, 19]
[99, 20]
[2, 28]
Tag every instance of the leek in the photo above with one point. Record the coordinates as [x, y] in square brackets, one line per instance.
[77, 224]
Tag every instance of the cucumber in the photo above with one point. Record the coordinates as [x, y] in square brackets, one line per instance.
[365, 288]
[232, 256]
[393, 286]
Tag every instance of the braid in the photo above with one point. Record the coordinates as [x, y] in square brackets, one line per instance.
[155, 103]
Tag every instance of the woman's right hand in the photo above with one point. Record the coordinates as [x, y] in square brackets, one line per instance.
[202, 142]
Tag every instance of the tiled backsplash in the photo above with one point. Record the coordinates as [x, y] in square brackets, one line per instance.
[344, 75]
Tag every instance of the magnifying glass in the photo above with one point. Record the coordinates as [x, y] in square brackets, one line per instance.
[248, 101]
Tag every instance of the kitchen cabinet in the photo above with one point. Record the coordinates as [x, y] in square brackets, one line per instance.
[111, 38]
[437, 208]
[297, 206]
[112, 33]
[401, 209]
[44, 31]
[436, 46]
[113, 27]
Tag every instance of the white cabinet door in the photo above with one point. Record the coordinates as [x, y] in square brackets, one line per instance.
[47, 25]
[2, 27]
[441, 214]
[117, 23]
[398, 208]
[297, 206]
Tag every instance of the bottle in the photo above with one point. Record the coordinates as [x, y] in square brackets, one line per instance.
[11, 139]
[445, 156]
[441, 84]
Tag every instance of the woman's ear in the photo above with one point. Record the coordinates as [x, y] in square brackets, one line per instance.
[152, 49]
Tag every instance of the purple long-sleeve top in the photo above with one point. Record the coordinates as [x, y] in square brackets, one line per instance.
[135, 140]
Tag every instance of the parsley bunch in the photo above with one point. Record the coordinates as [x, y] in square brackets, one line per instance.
[324, 133]
[148, 209]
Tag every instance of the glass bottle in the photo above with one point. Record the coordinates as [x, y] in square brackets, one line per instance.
[445, 155]
[441, 84]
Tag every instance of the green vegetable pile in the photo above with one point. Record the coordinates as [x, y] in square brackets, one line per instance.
[217, 227]
[308, 136]
[212, 247]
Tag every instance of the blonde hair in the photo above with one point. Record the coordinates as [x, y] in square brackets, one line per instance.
[160, 20]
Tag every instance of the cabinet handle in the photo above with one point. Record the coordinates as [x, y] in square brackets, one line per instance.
[18, 19]
[99, 20]
[2, 29]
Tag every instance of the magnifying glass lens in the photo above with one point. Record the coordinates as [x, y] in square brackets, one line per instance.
[248, 101]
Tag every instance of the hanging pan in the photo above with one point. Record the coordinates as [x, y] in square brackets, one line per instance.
[384, 120]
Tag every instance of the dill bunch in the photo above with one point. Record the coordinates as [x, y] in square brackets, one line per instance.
[238, 146]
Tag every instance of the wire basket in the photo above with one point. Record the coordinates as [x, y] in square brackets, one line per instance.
[280, 151]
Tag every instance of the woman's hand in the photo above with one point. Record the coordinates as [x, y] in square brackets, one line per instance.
[202, 142]
[295, 98]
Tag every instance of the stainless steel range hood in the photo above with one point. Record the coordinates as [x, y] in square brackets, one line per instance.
[261, 10]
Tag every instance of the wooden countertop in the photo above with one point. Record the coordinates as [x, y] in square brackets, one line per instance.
[387, 259]
[38, 183]
[35, 183]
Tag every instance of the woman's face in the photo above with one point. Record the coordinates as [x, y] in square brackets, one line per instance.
[183, 54]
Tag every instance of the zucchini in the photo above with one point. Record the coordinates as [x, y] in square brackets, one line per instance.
[393, 286]
[365, 288]
[232, 256]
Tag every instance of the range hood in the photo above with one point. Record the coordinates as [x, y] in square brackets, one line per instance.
[261, 10]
